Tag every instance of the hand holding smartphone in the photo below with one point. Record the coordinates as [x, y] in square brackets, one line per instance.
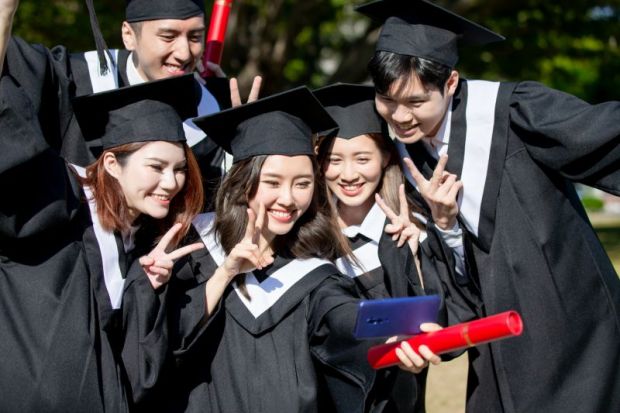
[395, 316]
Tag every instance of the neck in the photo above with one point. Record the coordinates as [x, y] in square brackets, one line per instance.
[353, 215]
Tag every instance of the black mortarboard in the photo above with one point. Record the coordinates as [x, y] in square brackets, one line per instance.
[352, 107]
[151, 111]
[280, 124]
[422, 29]
[140, 10]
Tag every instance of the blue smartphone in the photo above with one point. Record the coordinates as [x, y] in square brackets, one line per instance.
[395, 316]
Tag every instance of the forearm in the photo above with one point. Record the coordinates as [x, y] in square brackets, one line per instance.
[214, 290]
[6, 25]
[453, 238]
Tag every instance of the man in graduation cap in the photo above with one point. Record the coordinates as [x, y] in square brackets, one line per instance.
[162, 38]
[518, 149]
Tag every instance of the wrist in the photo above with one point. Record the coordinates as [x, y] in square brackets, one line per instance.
[447, 224]
[224, 274]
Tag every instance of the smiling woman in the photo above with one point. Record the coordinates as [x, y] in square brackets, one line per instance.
[264, 296]
[73, 318]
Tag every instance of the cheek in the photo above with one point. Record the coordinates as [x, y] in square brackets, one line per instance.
[428, 113]
[304, 199]
[332, 185]
[263, 196]
[181, 179]
[382, 109]
[373, 170]
[196, 49]
[331, 172]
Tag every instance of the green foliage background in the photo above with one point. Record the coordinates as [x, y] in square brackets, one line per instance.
[568, 45]
[571, 46]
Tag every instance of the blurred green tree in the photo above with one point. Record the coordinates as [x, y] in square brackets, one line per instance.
[572, 46]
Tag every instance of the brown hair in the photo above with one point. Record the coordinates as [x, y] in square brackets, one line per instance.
[315, 234]
[112, 208]
[392, 176]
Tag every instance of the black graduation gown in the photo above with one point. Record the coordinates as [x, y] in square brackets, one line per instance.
[397, 276]
[289, 349]
[61, 342]
[51, 77]
[533, 249]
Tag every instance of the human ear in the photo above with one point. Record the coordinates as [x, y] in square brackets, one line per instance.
[452, 83]
[129, 36]
[111, 165]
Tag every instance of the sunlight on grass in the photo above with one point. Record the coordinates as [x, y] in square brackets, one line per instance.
[608, 230]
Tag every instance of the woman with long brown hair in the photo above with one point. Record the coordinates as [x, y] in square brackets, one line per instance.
[262, 320]
[73, 338]
[399, 248]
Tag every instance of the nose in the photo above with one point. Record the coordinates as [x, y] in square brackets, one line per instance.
[285, 197]
[169, 181]
[182, 50]
[348, 172]
[402, 114]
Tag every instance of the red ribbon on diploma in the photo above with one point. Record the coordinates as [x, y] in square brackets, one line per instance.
[214, 42]
[473, 333]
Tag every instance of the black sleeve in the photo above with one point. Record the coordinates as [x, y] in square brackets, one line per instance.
[45, 77]
[341, 359]
[188, 323]
[44, 196]
[566, 134]
[145, 332]
[460, 300]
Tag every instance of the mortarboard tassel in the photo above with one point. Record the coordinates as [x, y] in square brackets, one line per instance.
[102, 47]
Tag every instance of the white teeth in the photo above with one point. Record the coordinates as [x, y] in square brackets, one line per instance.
[171, 68]
[351, 187]
[281, 214]
[161, 197]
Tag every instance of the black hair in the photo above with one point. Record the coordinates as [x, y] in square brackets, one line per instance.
[387, 67]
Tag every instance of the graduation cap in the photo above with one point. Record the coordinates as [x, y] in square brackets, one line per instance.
[151, 111]
[352, 107]
[141, 10]
[281, 124]
[423, 29]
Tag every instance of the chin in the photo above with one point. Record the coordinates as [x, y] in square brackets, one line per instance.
[157, 214]
[410, 139]
[354, 202]
[281, 229]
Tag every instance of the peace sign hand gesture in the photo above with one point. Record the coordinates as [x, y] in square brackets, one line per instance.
[440, 192]
[235, 96]
[246, 255]
[158, 263]
[401, 227]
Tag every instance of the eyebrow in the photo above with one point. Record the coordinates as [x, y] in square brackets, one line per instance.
[170, 30]
[354, 153]
[275, 175]
[184, 162]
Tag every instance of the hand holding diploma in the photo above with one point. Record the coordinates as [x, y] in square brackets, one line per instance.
[415, 361]
[484, 330]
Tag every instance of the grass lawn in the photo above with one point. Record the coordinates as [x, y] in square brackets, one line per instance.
[608, 230]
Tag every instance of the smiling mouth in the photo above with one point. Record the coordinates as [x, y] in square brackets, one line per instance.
[175, 69]
[351, 190]
[161, 199]
[406, 129]
[281, 216]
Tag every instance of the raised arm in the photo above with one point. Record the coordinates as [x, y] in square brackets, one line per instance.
[7, 12]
